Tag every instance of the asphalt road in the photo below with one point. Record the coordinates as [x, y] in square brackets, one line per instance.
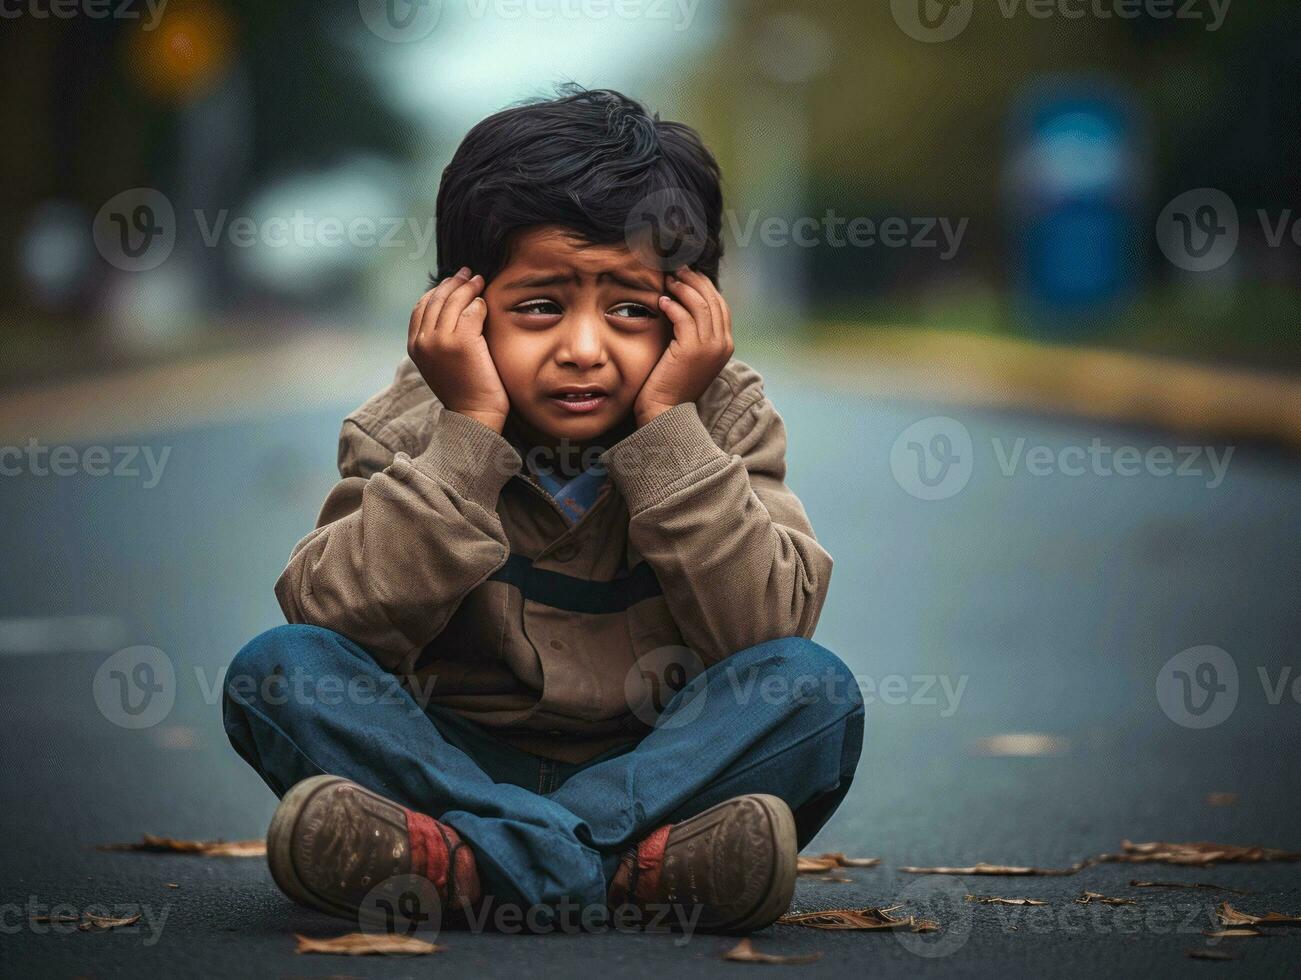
[1045, 600]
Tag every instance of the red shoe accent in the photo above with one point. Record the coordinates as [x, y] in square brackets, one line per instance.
[438, 853]
[638, 876]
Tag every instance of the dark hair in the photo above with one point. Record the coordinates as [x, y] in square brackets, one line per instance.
[583, 160]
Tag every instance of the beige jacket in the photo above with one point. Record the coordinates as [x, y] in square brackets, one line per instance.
[440, 554]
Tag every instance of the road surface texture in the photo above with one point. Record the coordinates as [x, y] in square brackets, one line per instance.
[1044, 600]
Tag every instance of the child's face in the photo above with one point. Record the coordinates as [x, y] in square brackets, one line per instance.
[559, 315]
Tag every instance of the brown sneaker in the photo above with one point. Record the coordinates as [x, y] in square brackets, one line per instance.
[735, 861]
[332, 842]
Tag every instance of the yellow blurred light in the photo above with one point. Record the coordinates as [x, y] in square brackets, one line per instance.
[188, 51]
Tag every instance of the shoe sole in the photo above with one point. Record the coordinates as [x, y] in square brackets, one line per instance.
[280, 838]
[782, 848]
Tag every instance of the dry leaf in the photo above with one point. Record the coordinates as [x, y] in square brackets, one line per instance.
[744, 952]
[209, 848]
[55, 918]
[1184, 884]
[1087, 898]
[171, 884]
[994, 900]
[818, 863]
[1230, 933]
[1230, 916]
[999, 869]
[1197, 853]
[1210, 954]
[104, 922]
[1221, 799]
[863, 918]
[366, 944]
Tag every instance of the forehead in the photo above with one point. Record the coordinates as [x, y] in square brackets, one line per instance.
[555, 249]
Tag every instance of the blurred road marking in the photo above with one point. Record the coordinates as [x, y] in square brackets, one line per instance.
[60, 634]
[1114, 386]
[317, 370]
[330, 369]
[1023, 744]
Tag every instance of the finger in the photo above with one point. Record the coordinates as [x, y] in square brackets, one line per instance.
[426, 313]
[471, 319]
[457, 300]
[684, 325]
[706, 288]
[690, 298]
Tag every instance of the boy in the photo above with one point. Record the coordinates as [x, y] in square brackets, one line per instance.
[610, 694]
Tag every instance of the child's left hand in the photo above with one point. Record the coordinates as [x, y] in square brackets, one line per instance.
[701, 345]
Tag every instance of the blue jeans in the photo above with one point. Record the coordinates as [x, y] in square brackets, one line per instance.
[784, 717]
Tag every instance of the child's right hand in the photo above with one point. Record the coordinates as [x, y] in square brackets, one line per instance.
[446, 342]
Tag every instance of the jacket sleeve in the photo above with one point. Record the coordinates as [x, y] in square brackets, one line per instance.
[402, 539]
[729, 542]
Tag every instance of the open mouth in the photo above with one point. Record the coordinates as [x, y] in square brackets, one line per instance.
[580, 401]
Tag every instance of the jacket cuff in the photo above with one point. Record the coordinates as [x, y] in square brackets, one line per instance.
[662, 457]
[475, 460]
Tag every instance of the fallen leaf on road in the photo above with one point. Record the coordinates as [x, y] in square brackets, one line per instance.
[1184, 884]
[1230, 916]
[209, 848]
[999, 869]
[365, 944]
[744, 952]
[104, 922]
[995, 900]
[55, 918]
[1230, 933]
[1221, 799]
[863, 918]
[1197, 853]
[818, 863]
[1087, 898]
[1210, 954]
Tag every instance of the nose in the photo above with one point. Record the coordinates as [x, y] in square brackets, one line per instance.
[581, 340]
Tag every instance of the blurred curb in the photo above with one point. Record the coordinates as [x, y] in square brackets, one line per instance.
[1115, 386]
[328, 370]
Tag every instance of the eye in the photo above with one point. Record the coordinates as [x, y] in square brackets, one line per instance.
[538, 307]
[637, 312]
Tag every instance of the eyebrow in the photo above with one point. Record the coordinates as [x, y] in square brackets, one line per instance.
[560, 278]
